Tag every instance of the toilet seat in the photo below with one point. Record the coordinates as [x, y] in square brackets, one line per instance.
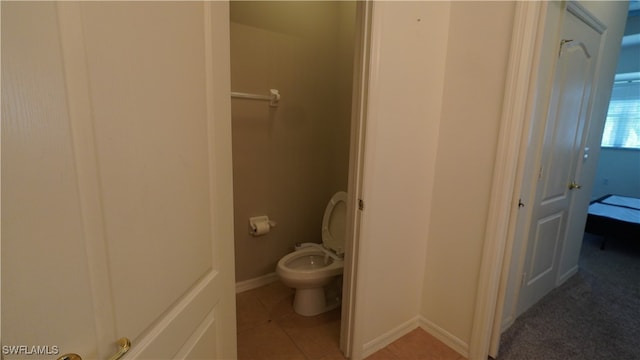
[334, 223]
[312, 267]
[290, 268]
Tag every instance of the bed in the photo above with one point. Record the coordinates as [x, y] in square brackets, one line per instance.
[614, 217]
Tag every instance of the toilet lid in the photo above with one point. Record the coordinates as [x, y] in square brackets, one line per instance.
[334, 222]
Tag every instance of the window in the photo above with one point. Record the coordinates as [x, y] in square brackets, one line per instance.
[622, 127]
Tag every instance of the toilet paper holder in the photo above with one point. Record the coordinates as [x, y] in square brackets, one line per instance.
[260, 225]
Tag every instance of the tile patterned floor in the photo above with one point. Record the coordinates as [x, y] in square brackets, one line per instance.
[268, 328]
[416, 345]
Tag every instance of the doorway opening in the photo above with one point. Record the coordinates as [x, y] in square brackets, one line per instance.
[289, 160]
[566, 265]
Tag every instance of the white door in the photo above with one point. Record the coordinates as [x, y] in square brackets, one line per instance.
[116, 180]
[564, 138]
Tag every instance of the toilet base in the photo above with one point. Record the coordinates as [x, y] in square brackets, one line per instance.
[311, 302]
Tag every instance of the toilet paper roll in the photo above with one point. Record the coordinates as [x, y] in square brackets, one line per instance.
[260, 228]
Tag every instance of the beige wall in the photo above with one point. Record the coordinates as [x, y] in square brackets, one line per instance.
[404, 109]
[288, 161]
[479, 41]
[437, 85]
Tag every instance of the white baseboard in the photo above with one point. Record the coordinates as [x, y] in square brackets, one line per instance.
[506, 323]
[446, 337]
[567, 275]
[389, 337]
[251, 284]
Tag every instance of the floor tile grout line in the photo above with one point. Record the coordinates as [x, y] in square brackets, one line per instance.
[294, 342]
[271, 318]
[259, 323]
[277, 318]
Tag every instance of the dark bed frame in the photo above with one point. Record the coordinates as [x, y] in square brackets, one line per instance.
[610, 228]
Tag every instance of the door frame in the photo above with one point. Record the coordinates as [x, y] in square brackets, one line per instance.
[350, 338]
[534, 32]
[529, 25]
[522, 71]
[571, 234]
[528, 90]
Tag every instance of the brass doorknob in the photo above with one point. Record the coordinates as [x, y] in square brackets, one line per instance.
[574, 185]
[124, 345]
[70, 356]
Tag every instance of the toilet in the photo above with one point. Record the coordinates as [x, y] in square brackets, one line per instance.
[315, 270]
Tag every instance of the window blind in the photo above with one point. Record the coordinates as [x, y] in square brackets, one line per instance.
[622, 127]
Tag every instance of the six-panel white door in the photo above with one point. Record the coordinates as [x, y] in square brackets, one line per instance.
[564, 139]
[116, 180]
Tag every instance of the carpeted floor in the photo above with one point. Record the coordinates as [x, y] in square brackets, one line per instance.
[593, 315]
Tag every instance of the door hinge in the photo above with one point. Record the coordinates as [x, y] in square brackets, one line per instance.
[540, 173]
[523, 280]
[520, 203]
[360, 204]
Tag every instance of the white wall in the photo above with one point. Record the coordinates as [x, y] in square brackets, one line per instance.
[618, 173]
[629, 54]
[436, 93]
[437, 89]
[407, 79]
[472, 106]
[629, 62]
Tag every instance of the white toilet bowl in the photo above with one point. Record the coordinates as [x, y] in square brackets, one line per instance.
[309, 271]
[312, 268]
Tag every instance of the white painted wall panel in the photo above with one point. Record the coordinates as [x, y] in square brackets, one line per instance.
[479, 41]
[404, 112]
